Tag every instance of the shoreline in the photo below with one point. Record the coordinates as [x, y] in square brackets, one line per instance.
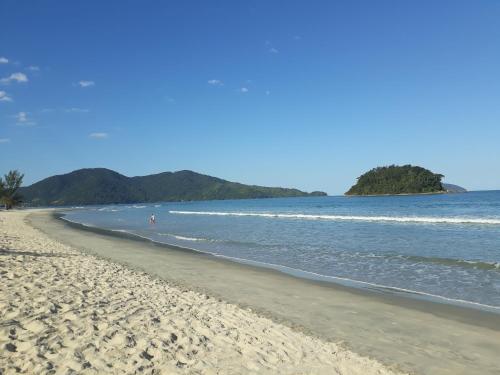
[389, 294]
[417, 336]
[401, 194]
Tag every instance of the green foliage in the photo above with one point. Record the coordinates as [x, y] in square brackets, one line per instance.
[9, 187]
[406, 179]
[103, 186]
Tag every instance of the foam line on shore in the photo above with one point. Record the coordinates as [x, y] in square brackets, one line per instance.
[303, 274]
[399, 219]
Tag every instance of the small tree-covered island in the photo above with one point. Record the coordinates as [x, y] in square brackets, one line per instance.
[394, 179]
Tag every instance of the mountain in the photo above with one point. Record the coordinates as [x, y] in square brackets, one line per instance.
[393, 179]
[104, 186]
[450, 188]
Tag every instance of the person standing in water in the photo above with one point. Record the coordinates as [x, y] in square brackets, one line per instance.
[152, 219]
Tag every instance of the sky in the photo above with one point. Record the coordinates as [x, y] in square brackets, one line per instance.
[305, 94]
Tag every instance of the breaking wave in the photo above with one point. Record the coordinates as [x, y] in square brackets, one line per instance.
[398, 219]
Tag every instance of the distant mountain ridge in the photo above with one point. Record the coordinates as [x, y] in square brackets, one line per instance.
[450, 188]
[104, 186]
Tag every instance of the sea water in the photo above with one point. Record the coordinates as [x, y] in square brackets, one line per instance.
[445, 246]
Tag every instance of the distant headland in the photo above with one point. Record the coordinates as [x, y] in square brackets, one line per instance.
[104, 186]
[401, 180]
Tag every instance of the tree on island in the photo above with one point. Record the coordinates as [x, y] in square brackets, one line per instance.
[393, 179]
[9, 187]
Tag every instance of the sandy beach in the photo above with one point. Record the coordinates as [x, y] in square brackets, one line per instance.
[64, 311]
[90, 301]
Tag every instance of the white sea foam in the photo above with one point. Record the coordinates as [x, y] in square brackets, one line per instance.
[183, 238]
[78, 222]
[399, 219]
[108, 209]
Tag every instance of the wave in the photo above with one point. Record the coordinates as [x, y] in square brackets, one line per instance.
[314, 275]
[478, 264]
[183, 238]
[78, 222]
[418, 259]
[108, 209]
[399, 219]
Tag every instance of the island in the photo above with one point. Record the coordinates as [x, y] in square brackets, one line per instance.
[393, 180]
[104, 186]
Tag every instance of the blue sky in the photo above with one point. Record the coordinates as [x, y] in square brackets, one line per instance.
[306, 94]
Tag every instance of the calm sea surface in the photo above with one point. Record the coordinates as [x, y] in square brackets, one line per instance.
[439, 245]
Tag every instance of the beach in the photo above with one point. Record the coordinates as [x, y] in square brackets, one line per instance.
[64, 311]
[83, 300]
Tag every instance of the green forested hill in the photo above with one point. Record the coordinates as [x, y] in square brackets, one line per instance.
[406, 179]
[104, 186]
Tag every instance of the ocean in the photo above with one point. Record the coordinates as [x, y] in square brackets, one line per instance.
[445, 247]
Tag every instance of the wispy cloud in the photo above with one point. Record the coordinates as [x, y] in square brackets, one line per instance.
[86, 83]
[98, 135]
[65, 110]
[21, 117]
[4, 97]
[76, 110]
[23, 120]
[270, 47]
[4, 60]
[18, 77]
[33, 68]
[4, 140]
[244, 90]
[215, 82]
[268, 92]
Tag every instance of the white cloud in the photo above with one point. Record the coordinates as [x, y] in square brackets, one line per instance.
[215, 82]
[33, 68]
[4, 60]
[270, 47]
[18, 77]
[4, 140]
[65, 110]
[23, 120]
[244, 90]
[21, 117]
[86, 83]
[76, 110]
[98, 135]
[4, 97]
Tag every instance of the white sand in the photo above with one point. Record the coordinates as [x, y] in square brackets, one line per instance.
[62, 311]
